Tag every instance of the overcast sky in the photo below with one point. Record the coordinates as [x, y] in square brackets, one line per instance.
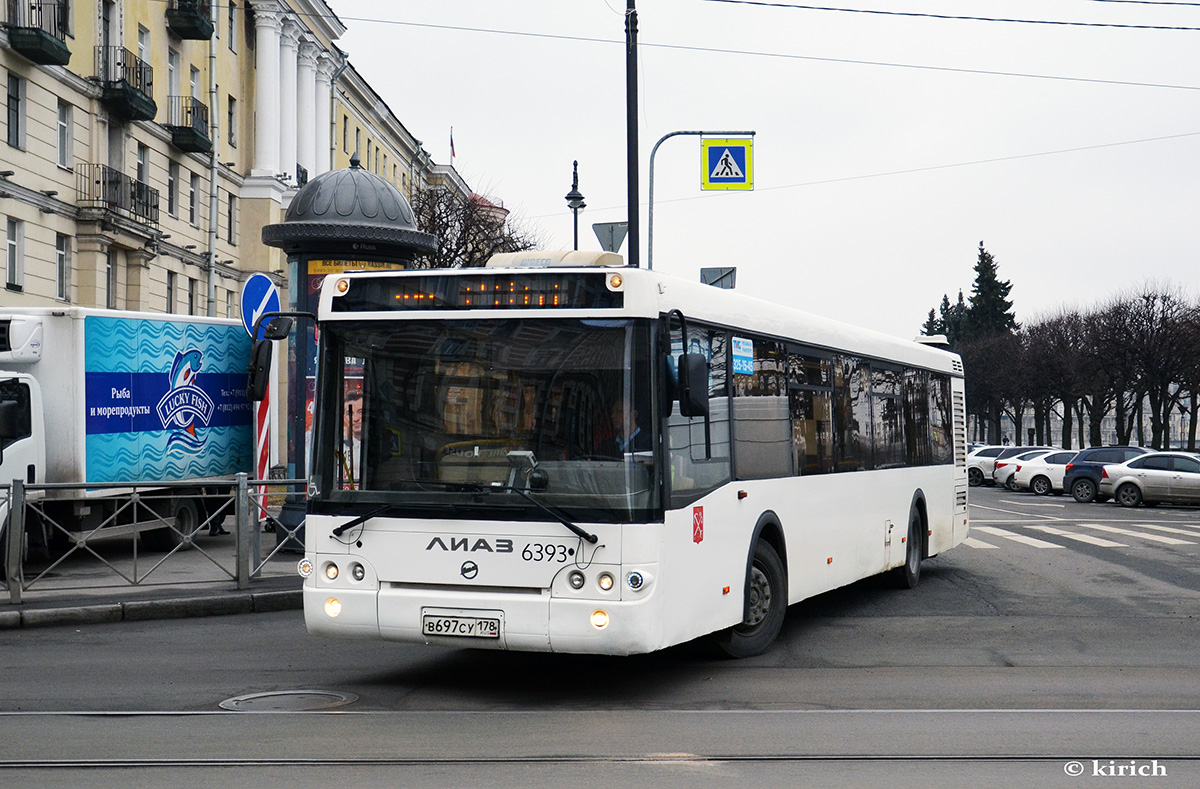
[882, 156]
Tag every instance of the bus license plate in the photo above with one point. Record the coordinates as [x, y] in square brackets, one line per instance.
[462, 626]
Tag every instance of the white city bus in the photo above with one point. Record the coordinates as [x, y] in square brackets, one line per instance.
[523, 457]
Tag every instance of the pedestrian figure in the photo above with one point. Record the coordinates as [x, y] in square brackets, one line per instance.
[725, 166]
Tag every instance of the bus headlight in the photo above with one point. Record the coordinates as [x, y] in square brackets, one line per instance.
[305, 568]
[331, 571]
[576, 579]
[599, 619]
[357, 571]
[333, 607]
[635, 580]
[605, 581]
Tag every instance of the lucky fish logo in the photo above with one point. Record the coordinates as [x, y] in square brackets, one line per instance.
[185, 405]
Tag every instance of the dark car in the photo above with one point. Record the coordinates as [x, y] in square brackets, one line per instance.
[1082, 475]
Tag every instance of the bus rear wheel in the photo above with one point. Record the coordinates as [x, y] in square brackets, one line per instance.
[766, 605]
[909, 575]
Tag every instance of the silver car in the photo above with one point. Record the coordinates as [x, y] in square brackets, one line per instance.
[1153, 478]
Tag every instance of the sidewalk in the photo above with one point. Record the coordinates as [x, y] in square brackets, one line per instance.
[83, 589]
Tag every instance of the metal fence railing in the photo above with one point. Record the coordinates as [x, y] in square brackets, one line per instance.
[49, 16]
[187, 112]
[116, 550]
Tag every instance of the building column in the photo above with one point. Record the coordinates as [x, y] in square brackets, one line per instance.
[307, 115]
[326, 134]
[288, 67]
[268, 23]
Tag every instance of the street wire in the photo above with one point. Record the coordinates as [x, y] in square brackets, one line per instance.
[954, 17]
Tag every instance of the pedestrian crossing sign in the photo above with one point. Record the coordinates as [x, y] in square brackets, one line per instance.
[727, 163]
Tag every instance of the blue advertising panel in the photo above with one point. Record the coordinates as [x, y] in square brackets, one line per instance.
[165, 400]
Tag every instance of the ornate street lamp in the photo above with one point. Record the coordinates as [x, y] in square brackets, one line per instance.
[575, 202]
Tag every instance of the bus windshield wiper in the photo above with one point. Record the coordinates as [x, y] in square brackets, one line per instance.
[577, 530]
[350, 524]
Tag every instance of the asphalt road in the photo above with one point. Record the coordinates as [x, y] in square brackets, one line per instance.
[1062, 638]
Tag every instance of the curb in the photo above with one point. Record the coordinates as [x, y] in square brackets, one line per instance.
[143, 610]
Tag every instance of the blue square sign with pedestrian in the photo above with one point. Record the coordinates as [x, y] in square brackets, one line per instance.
[727, 164]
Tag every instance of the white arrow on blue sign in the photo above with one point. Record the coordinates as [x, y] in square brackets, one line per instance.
[259, 296]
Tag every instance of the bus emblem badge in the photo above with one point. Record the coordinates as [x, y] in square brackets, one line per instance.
[697, 524]
[469, 570]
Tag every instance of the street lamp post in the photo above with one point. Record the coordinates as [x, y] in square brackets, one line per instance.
[575, 202]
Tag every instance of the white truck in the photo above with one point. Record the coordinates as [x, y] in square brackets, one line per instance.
[91, 397]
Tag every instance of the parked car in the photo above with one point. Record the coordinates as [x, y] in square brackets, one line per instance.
[1043, 475]
[1152, 478]
[1005, 467]
[1082, 476]
[980, 458]
[982, 462]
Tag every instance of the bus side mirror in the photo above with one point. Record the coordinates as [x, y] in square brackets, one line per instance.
[693, 385]
[260, 369]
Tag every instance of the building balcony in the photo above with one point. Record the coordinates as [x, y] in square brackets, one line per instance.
[38, 30]
[100, 186]
[190, 19]
[128, 84]
[188, 124]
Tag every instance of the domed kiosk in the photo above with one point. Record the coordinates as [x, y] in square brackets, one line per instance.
[341, 220]
[350, 213]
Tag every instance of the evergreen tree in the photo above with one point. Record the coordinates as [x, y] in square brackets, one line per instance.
[991, 310]
[932, 325]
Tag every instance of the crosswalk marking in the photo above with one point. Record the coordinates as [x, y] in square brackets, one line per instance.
[1169, 529]
[1138, 534]
[974, 543]
[1021, 538]
[1089, 539]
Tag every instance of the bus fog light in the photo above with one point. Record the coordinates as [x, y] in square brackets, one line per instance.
[605, 581]
[599, 619]
[305, 568]
[331, 571]
[333, 607]
[358, 572]
[635, 580]
[576, 579]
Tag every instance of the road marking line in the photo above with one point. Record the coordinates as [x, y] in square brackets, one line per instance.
[1169, 529]
[1089, 539]
[1032, 504]
[1021, 538]
[1138, 534]
[974, 543]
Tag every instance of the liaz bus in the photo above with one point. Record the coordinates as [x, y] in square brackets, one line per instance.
[556, 453]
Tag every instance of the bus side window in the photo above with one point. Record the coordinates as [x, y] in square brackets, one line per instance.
[698, 447]
[762, 433]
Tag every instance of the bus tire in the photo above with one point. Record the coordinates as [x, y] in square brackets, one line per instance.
[766, 605]
[908, 576]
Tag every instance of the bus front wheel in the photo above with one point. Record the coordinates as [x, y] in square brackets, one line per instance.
[766, 605]
[909, 575]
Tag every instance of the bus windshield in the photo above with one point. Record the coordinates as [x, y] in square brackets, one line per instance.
[425, 414]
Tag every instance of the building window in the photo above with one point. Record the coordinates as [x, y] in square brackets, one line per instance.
[232, 229]
[66, 135]
[194, 199]
[232, 25]
[194, 82]
[110, 280]
[16, 111]
[357, 140]
[232, 122]
[171, 291]
[13, 249]
[172, 72]
[143, 44]
[143, 155]
[191, 296]
[62, 266]
[345, 134]
[229, 304]
[173, 188]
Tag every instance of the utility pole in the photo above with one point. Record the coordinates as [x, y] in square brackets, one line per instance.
[631, 131]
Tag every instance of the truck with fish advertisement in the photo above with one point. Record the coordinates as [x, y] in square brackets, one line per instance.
[100, 397]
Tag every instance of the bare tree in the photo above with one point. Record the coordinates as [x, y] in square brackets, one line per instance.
[469, 231]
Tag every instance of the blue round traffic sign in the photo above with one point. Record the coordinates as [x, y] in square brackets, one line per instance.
[259, 296]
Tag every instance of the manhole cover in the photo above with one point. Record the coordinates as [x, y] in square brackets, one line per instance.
[289, 701]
